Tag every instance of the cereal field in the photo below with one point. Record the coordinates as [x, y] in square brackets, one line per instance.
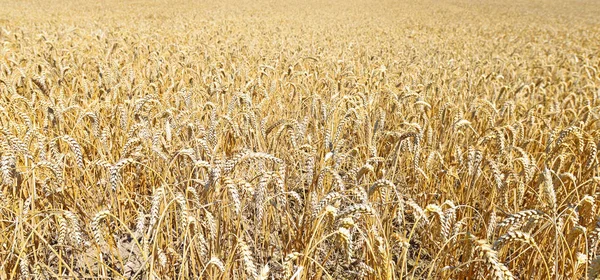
[299, 139]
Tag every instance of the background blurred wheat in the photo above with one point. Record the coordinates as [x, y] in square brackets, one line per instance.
[304, 140]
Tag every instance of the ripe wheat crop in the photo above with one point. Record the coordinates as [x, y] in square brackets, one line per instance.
[299, 139]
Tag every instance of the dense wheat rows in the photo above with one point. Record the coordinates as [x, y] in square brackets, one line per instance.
[313, 140]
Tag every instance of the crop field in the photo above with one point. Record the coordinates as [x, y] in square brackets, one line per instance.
[299, 139]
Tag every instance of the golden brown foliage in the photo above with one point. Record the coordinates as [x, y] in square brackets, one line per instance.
[305, 140]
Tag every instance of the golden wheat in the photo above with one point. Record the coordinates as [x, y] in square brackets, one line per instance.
[299, 140]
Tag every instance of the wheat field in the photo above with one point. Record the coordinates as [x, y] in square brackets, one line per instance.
[299, 140]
